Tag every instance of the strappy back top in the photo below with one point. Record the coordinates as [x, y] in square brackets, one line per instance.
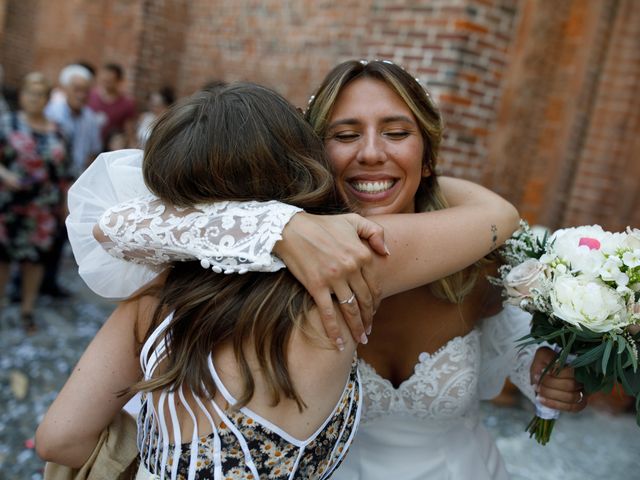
[243, 445]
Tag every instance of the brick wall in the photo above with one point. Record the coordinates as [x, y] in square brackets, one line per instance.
[458, 50]
[606, 184]
[537, 95]
[548, 93]
[45, 36]
[17, 47]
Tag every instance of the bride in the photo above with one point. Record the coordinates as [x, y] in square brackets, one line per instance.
[436, 350]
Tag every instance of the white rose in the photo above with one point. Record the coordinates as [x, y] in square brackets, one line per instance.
[583, 302]
[522, 279]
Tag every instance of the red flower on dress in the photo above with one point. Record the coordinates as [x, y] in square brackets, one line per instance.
[45, 225]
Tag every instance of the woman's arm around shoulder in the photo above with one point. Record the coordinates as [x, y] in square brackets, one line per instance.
[90, 398]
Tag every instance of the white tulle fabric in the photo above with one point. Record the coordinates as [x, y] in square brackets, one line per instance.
[429, 427]
[230, 237]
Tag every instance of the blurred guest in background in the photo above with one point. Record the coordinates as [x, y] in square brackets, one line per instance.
[4, 106]
[81, 129]
[33, 169]
[79, 124]
[158, 103]
[117, 111]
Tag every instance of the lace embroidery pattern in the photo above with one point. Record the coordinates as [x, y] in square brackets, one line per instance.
[443, 385]
[229, 237]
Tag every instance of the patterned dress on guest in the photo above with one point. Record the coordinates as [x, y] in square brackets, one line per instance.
[29, 216]
[243, 445]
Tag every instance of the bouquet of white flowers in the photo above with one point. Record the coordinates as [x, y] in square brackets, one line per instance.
[582, 286]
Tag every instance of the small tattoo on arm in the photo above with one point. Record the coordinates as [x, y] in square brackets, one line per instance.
[494, 237]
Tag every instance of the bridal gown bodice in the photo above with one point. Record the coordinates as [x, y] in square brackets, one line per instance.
[442, 388]
[429, 426]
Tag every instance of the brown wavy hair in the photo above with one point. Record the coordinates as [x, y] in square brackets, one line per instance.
[428, 196]
[237, 142]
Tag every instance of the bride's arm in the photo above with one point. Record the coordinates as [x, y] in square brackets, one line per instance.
[428, 246]
[325, 254]
[424, 247]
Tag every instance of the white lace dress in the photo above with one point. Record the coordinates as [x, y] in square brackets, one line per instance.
[429, 427]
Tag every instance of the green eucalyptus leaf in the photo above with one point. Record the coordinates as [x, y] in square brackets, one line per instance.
[632, 357]
[623, 378]
[590, 356]
[607, 354]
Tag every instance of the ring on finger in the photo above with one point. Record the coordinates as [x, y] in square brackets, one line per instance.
[349, 300]
[581, 396]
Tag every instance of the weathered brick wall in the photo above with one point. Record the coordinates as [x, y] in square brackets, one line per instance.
[606, 184]
[458, 49]
[162, 44]
[17, 47]
[537, 95]
[547, 95]
[44, 35]
[287, 45]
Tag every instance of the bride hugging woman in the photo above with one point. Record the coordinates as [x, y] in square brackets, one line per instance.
[236, 377]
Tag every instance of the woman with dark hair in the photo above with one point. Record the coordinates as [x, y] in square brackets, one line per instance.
[236, 378]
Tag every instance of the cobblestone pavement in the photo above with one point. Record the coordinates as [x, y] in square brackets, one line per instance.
[590, 445]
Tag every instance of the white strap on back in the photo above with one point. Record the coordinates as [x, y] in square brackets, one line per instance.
[243, 443]
[177, 435]
[217, 445]
[358, 407]
[194, 436]
[164, 437]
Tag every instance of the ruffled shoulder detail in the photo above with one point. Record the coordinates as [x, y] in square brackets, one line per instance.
[113, 178]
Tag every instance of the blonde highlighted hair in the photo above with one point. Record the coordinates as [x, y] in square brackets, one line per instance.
[428, 197]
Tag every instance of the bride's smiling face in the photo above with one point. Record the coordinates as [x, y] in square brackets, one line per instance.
[376, 148]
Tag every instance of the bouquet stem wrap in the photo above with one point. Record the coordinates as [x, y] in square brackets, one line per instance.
[541, 425]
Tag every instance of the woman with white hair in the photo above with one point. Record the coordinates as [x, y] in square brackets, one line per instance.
[79, 124]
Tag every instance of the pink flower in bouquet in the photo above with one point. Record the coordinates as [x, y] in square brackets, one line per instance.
[592, 243]
[584, 249]
[522, 279]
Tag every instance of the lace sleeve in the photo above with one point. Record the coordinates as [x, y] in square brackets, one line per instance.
[502, 357]
[245, 235]
[229, 237]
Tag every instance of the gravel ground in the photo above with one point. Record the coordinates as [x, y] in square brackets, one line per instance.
[590, 445]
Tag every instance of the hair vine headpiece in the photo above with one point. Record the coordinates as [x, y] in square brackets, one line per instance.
[364, 62]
